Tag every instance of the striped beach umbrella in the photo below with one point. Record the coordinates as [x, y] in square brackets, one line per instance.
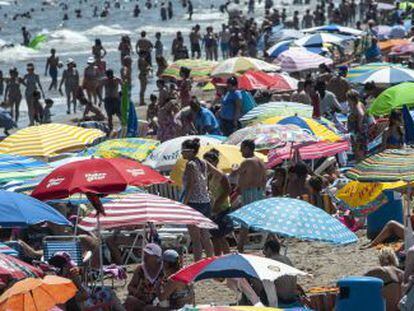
[362, 69]
[49, 140]
[239, 65]
[7, 250]
[143, 208]
[256, 80]
[12, 163]
[200, 69]
[320, 39]
[299, 59]
[12, 268]
[335, 29]
[386, 76]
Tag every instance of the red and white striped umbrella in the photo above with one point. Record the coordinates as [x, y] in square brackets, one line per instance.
[299, 59]
[142, 208]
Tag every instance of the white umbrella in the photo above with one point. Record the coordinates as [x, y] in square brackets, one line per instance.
[321, 38]
[388, 75]
[236, 65]
[300, 59]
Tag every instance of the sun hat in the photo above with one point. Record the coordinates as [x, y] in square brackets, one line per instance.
[91, 60]
[70, 61]
[153, 249]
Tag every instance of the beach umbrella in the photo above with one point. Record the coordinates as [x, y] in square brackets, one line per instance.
[402, 49]
[397, 32]
[38, 294]
[200, 69]
[386, 76]
[392, 98]
[336, 29]
[321, 132]
[272, 109]
[19, 210]
[229, 156]
[299, 59]
[294, 218]
[7, 250]
[11, 162]
[387, 45]
[235, 266]
[256, 80]
[238, 65]
[382, 31]
[96, 176]
[267, 137]
[307, 151]
[166, 154]
[132, 148]
[12, 269]
[359, 70]
[49, 140]
[143, 208]
[278, 48]
[320, 39]
[284, 34]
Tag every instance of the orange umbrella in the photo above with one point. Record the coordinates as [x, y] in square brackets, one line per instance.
[37, 294]
[386, 46]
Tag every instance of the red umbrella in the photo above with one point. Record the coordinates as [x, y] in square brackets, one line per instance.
[253, 80]
[96, 176]
[305, 151]
[12, 268]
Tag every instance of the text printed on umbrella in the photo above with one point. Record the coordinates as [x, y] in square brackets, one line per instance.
[55, 182]
[90, 177]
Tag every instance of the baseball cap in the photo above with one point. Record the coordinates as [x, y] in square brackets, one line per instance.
[170, 255]
[153, 249]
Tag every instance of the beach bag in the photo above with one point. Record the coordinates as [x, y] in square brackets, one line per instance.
[248, 102]
[407, 301]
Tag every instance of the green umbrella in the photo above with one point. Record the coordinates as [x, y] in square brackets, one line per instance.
[393, 98]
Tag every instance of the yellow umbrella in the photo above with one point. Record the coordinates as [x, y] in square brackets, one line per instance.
[37, 295]
[49, 140]
[229, 156]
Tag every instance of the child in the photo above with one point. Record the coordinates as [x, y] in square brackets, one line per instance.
[152, 112]
[37, 107]
[89, 107]
[47, 115]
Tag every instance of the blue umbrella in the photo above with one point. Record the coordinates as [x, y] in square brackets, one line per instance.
[278, 48]
[335, 28]
[19, 210]
[319, 39]
[294, 218]
[12, 163]
[6, 120]
[408, 126]
[387, 75]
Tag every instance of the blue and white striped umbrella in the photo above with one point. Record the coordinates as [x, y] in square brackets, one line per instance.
[334, 28]
[294, 218]
[12, 163]
[319, 39]
[388, 75]
[278, 48]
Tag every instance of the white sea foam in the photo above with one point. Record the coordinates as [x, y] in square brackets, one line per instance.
[164, 30]
[102, 30]
[17, 53]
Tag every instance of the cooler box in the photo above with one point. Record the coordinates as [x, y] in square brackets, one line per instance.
[393, 210]
[360, 294]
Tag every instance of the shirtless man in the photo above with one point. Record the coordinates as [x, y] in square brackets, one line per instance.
[251, 182]
[195, 38]
[126, 70]
[52, 64]
[13, 94]
[144, 46]
[26, 36]
[144, 68]
[91, 80]
[31, 80]
[70, 78]
[112, 101]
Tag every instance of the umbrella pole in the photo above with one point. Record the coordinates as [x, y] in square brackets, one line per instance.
[75, 232]
[408, 230]
[101, 273]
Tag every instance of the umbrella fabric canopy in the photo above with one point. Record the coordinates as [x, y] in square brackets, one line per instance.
[299, 59]
[279, 34]
[19, 210]
[306, 151]
[397, 32]
[7, 250]
[320, 131]
[294, 218]
[273, 109]
[132, 148]
[238, 65]
[12, 268]
[200, 69]
[270, 136]
[387, 166]
[256, 80]
[229, 155]
[48, 140]
[12, 163]
[359, 70]
[142, 208]
[166, 154]
[322, 38]
[278, 48]
[335, 28]
[96, 176]
[382, 31]
[38, 294]
[235, 266]
[389, 75]
[393, 98]
[402, 49]
[386, 46]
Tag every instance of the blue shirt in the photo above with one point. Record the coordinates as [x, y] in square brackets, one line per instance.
[228, 104]
[206, 122]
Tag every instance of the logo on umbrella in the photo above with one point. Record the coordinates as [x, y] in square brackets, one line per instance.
[95, 176]
[273, 268]
[55, 182]
[135, 171]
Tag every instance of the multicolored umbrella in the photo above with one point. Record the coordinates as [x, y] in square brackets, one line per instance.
[200, 69]
[309, 151]
[256, 80]
[299, 59]
[386, 46]
[235, 266]
[321, 132]
[393, 98]
[279, 48]
[268, 137]
[320, 39]
[360, 70]
[272, 109]
[12, 268]
[294, 218]
[388, 166]
[166, 154]
[143, 208]
[402, 49]
[238, 65]
[386, 76]
[132, 148]
[49, 140]
[12, 163]
[336, 29]
[7, 250]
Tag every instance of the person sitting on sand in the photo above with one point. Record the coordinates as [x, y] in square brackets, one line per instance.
[47, 115]
[297, 177]
[97, 114]
[393, 137]
[392, 276]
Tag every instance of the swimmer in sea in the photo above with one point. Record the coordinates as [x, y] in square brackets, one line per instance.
[13, 94]
[26, 36]
[52, 64]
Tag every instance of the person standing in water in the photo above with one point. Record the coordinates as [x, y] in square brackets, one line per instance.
[13, 94]
[190, 10]
[144, 68]
[98, 50]
[144, 47]
[70, 78]
[125, 47]
[112, 101]
[170, 10]
[90, 80]
[26, 36]
[32, 81]
[52, 65]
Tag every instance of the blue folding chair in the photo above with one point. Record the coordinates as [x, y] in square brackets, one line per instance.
[68, 244]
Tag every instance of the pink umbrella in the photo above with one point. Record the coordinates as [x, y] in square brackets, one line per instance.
[254, 80]
[308, 151]
[402, 49]
[299, 59]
